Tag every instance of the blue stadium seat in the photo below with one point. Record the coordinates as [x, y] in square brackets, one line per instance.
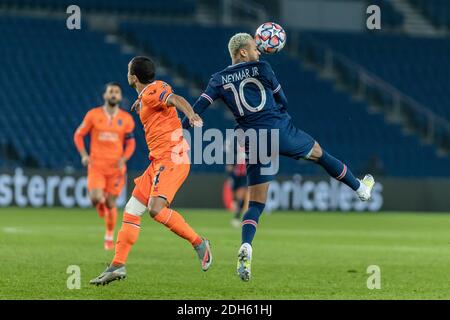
[438, 11]
[418, 67]
[390, 16]
[61, 74]
[143, 7]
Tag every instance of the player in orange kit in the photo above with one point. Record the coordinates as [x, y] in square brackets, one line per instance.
[110, 129]
[157, 186]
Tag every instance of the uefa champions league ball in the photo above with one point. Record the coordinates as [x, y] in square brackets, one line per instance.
[270, 38]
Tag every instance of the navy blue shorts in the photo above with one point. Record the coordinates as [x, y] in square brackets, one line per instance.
[238, 182]
[293, 143]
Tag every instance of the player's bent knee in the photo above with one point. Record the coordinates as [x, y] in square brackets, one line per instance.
[135, 207]
[258, 192]
[156, 205]
[154, 211]
[110, 202]
[95, 200]
[316, 152]
[96, 196]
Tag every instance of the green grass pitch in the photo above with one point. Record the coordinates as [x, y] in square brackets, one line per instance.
[296, 256]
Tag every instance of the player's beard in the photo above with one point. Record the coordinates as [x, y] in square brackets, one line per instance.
[113, 103]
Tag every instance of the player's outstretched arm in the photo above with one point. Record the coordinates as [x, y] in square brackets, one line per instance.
[199, 107]
[184, 106]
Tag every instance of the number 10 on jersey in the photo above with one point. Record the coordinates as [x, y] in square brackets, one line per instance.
[239, 96]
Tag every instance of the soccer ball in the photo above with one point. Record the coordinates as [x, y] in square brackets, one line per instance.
[270, 38]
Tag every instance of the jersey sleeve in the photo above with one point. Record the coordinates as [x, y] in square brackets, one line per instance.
[271, 78]
[84, 128]
[211, 93]
[129, 128]
[86, 125]
[157, 97]
[203, 102]
[278, 92]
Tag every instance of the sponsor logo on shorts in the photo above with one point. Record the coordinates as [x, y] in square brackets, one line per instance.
[156, 180]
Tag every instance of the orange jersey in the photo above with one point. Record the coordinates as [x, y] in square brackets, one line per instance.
[163, 131]
[108, 134]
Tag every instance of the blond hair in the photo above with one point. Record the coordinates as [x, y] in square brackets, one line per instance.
[238, 41]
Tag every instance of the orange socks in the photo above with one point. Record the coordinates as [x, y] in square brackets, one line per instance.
[131, 225]
[110, 223]
[176, 223]
[126, 237]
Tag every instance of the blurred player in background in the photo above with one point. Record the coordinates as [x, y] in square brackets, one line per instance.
[253, 94]
[238, 179]
[111, 145]
[156, 187]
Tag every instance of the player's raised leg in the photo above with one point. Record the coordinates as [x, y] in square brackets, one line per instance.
[297, 144]
[171, 219]
[166, 180]
[341, 172]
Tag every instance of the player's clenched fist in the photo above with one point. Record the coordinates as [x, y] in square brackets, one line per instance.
[85, 160]
[196, 121]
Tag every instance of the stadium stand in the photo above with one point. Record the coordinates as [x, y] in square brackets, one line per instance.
[390, 17]
[191, 63]
[416, 66]
[155, 7]
[64, 84]
[56, 87]
[437, 11]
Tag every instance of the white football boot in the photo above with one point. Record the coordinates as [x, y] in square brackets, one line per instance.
[244, 262]
[365, 190]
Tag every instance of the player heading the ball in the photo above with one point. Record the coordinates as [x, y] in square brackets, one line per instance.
[251, 91]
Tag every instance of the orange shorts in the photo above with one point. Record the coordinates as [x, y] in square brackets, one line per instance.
[107, 178]
[162, 179]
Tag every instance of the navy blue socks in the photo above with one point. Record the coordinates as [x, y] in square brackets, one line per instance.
[338, 170]
[250, 221]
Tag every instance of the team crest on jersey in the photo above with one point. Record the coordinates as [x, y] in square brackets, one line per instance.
[120, 122]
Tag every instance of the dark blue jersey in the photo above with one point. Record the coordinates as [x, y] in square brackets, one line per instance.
[252, 93]
[255, 97]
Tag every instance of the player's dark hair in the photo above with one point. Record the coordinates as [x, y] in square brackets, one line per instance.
[143, 68]
[113, 84]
